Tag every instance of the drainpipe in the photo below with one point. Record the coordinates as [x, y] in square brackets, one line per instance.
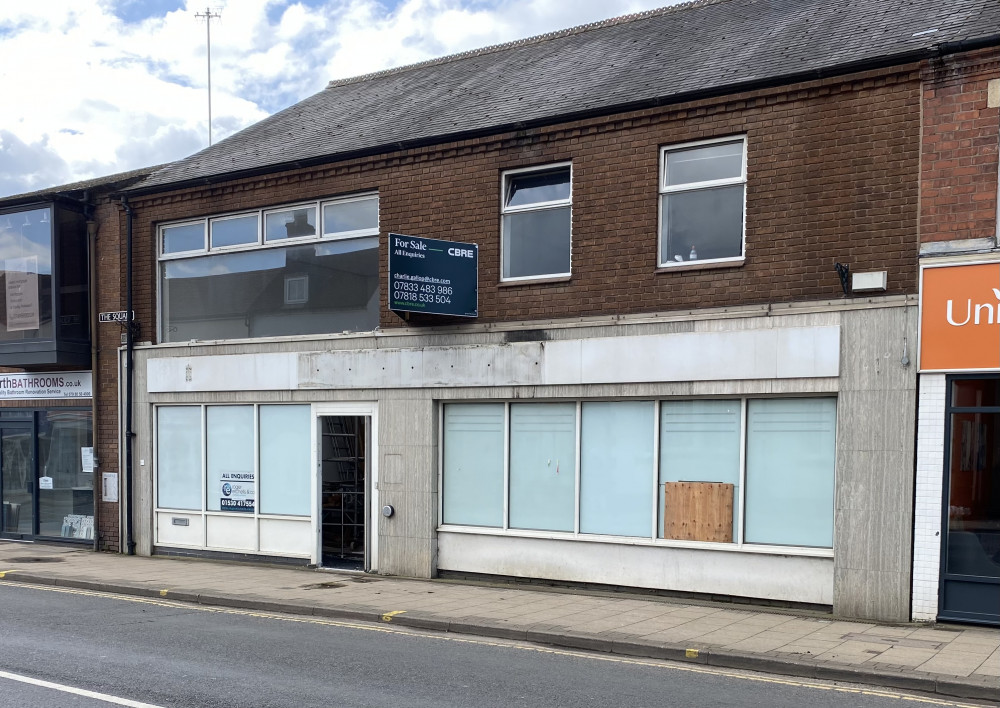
[94, 290]
[129, 331]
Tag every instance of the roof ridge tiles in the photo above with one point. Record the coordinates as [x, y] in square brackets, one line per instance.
[536, 39]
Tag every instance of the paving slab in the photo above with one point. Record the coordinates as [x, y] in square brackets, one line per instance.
[953, 660]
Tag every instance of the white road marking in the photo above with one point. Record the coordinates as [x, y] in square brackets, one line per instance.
[77, 691]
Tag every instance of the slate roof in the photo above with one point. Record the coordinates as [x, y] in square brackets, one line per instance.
[675, 53]
[107, 183]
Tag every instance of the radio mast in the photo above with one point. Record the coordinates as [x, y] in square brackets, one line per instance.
[208, 15]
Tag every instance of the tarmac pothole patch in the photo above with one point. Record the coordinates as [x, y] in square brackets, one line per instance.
[35, 559]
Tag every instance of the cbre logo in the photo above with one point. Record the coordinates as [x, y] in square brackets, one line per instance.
[960, 317]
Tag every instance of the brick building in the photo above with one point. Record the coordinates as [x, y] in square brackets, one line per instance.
[698, 234]
[956, 555]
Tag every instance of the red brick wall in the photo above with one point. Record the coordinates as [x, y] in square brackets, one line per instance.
[831, 177]
[958, 185]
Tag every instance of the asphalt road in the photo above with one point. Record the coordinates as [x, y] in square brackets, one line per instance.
[171, 654]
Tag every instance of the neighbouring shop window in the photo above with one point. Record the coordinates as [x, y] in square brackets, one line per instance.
[255, 459]
[702, 194]
[273, 272]
[543, 466]
[536, 220]
[973, 482]
[66, 471]
[790, 471]
[713, 458]
[474, 464]
[26, 263]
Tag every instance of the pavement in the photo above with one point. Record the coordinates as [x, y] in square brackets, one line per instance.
[946, 659]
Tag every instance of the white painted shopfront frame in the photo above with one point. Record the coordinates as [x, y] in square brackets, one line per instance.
[738, 545]
[281, 535]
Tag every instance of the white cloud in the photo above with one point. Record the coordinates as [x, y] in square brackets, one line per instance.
[85, 93]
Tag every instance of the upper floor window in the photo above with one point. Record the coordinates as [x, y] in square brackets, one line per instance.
[536, 210]
[307, 268]
[702, 196]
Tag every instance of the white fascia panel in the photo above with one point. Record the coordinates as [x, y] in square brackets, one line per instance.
[237, 372]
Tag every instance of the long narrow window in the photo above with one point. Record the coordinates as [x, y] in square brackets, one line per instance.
[757, 471]
[301, 269]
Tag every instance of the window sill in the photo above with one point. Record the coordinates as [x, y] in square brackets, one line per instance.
[535, 281]
[697, 265]
[752, 548]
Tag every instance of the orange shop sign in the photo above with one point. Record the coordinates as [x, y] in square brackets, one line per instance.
[960, 317]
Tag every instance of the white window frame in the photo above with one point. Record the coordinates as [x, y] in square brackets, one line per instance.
[537, 206]
[356, 233]
[260, 244]
[738, 544]
[664, 189]
[229, 217]
[290, 207]
[189, 222]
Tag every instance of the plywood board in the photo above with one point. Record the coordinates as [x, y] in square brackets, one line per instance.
[698, 511]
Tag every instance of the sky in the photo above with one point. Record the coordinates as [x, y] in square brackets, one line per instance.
[94, 87]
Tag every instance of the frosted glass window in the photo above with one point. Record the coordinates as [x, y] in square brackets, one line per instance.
[543, 466]
[285, 460]
[791, 446]
[473, 464]
[617, 474]
[230, 471]
[700, 442]
[178, 457]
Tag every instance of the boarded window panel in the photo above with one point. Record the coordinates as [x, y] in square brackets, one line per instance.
[543, 466]
[473, 464]
[698, 511]
[791, 446]
[700, 442]
[616, 474]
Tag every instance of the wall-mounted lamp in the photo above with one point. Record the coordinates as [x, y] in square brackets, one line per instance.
[844, 271]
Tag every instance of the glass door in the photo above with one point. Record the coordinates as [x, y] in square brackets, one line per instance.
[343, 450]
[970, 554]
[17, 481]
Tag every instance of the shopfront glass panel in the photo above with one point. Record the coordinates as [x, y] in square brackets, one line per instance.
[18, 480]
[26, 275]
[791, 449]
[616, 468]
[543, 466]
[285, 460]
[473, 464]
[66, 474]
[178, 457]
[231, 478]
[973, 546]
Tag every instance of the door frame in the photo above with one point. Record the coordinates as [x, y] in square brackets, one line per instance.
[944, 577]
[361, 409]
